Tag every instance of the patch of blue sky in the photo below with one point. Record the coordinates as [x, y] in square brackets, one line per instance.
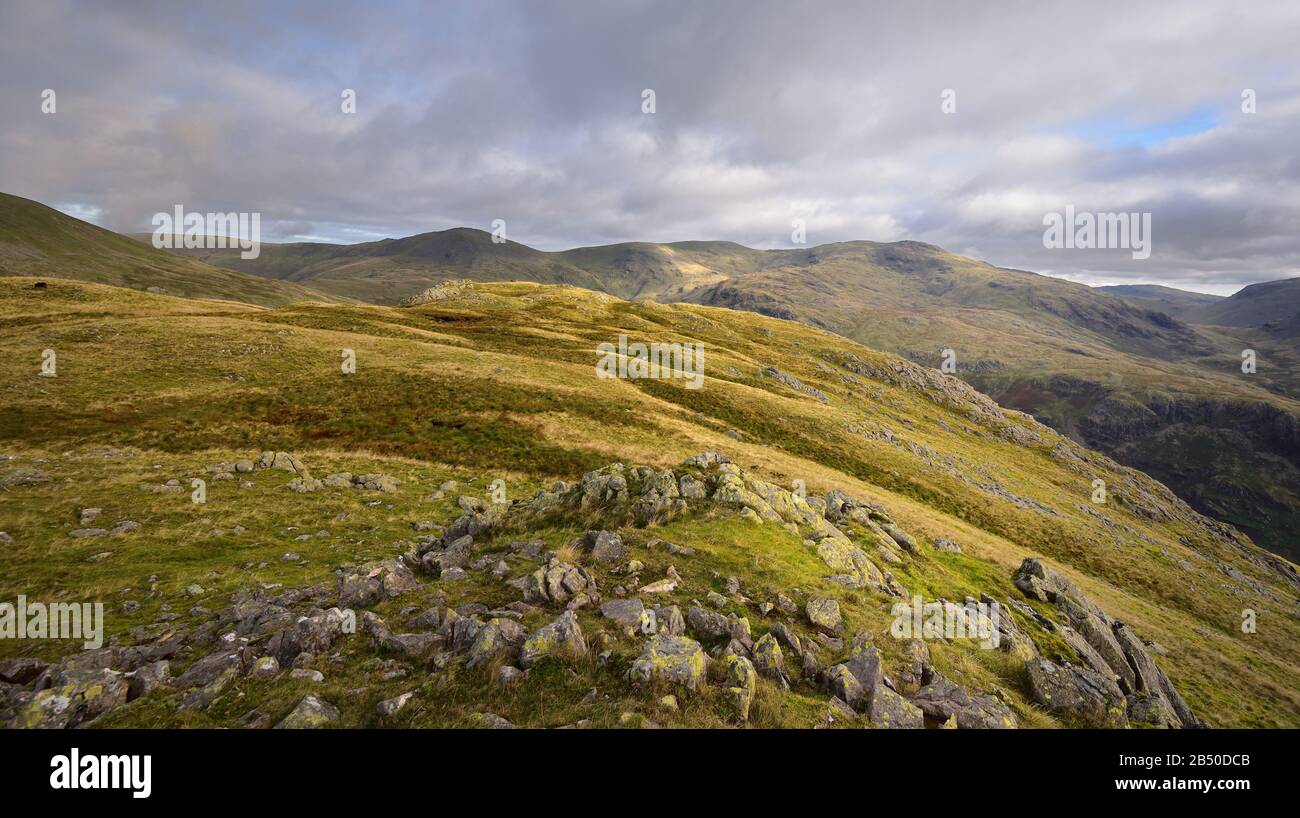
[1123, 132]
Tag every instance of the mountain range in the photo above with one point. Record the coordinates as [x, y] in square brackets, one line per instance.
[1149, 375]
[512, 531]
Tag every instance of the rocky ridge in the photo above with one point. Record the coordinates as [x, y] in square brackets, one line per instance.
[594, 601]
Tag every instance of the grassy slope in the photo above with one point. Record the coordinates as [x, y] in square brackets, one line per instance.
[500, 383]
[36, 240]
[1056, 349]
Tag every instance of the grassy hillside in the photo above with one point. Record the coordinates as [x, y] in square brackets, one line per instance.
[1124, 379]
[1112, 372]
[498, 382]
[36, 240]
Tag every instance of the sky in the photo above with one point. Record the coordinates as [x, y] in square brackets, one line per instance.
[830, 113]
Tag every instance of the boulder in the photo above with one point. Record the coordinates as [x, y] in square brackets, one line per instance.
[74, 698]
[374, 582]
[310, 713]
[769, 659]
[499, 639]
[559, 583]
[314, 634]
[148, 678]
[626, 613]
[1078, 694]
[561, 638]
[887, 709]
[840, 682]
[742, 684]
[706, 624]
[824, 614]
[942, 700]
[671, 659]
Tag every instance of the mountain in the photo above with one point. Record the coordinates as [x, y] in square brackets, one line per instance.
[36, 240]
[1119, 374]
[508, 530]
[388, 271]
[1170, 301]
[1272, 305]
[1130, 381]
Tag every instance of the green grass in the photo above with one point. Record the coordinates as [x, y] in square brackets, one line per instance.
[500, 384]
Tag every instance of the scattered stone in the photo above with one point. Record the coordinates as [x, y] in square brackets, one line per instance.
[23, 476]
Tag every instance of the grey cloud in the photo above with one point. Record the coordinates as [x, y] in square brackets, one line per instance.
[766, 112]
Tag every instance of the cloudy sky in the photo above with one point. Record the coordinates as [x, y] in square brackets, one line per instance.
[765, 112]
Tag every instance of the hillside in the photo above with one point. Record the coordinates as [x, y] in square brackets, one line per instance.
[489, 603]
[36, 240]
[1156, 393]
[1118, 374]
[1172, 302]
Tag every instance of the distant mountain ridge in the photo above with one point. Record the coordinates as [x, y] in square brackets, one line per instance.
[1169, 300]
[1130, 371]
[1118, 374]
[390, 270]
